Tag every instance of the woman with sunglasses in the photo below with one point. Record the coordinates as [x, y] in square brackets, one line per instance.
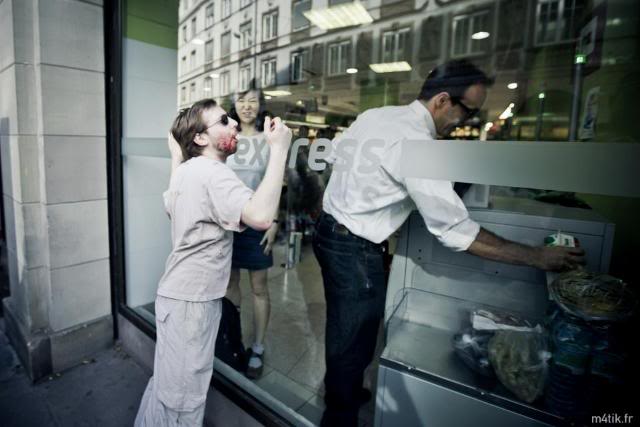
[252, 248]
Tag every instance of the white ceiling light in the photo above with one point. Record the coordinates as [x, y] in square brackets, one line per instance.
[480, 35]
[277, 93]
[197, 41]
[513, 85]
[214, 75]
[342, 15]
[390, 67]
[352, 70]
[267, 97]
[207, 89]
[507, 112]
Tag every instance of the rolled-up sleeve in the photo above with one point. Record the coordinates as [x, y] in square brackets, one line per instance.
[443, 212]
[228, 195]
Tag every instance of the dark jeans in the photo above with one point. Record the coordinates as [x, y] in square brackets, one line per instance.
[354, 287]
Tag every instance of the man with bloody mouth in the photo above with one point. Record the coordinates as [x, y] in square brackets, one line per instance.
[206, 202]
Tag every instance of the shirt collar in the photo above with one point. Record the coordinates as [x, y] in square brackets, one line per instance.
[425, 115]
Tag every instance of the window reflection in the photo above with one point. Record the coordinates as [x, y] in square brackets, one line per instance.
[320, 80]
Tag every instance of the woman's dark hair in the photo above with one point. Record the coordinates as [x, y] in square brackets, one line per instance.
[262, 112]
[453, 77]
[187, 124]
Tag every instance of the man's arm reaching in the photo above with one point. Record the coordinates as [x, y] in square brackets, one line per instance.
[554, 258]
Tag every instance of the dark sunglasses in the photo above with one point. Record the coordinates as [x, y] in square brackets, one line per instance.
[468, 112]
[224, 119]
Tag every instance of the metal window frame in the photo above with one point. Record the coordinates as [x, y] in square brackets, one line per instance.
[468, 48]
[562, 5]
[293, 6]
[208, 45]
[225, 83]
[245, 42]
[224, 9]
[302, 54]
[272, 81]
[395, 34]
[272, 16]
[222, 36]
[209, 18]
[244, 84]
[340, 45]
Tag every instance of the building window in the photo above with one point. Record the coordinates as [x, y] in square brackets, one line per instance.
[194, 27]
[338, 57]
[299, 22]
[270, 26]
[225, 44]
[244, 3]
[298, 62]
[206, 87]
[208, 51]
[269, 73]
[192, 92]
[183, 63]
[183, 95]
[245, 35]
[226, 8]
[184, 34]
[225, 83]
[395, 45]
[556, 20]
[192, 60]
[209, 16]
[245, 77]
[464, 27]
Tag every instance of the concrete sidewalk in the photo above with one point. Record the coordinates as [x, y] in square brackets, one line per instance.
[104, 391]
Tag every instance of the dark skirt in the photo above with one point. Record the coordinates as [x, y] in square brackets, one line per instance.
[248, 253]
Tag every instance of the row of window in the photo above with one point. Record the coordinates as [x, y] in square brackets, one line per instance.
[269, 20]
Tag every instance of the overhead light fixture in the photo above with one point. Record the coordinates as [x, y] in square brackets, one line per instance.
[276, 93]
[339, 16]
[214, 75]
[197, 41]
[513, 85]
[267, 97]
[480, 35]
[207, 89]
[352, 70]
[507, 112]
[541, 95]
[390, 67]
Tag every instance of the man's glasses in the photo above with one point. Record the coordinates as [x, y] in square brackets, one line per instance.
[224, 119]
[468, 112]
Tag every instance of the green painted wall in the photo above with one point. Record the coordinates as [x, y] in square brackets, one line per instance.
[152, 21]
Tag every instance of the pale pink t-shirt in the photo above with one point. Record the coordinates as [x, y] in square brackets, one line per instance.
[204, 200]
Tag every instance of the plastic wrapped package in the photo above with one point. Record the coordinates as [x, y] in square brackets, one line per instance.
[593, 296]
[473, 348]
[520, 362]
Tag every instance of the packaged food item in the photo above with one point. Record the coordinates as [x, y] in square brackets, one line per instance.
[561, 239]
[473, 348]
[486, 320]
[520, 362]
[593, 296]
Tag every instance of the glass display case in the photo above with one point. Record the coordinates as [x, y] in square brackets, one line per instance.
[432, 294]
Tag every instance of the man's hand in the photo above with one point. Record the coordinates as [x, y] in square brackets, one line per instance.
[269, 238]
[277, 133]
[174, 148]
[551, 258]
[559, 258]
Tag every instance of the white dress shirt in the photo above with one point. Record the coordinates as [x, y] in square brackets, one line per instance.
[367, 194]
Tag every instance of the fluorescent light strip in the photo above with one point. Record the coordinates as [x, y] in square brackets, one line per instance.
[390, 67]
[277, 93]
[343, 15]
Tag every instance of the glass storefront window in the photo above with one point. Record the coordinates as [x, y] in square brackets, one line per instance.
[566, 84]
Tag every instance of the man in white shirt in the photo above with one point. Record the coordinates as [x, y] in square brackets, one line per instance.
[368, 198]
